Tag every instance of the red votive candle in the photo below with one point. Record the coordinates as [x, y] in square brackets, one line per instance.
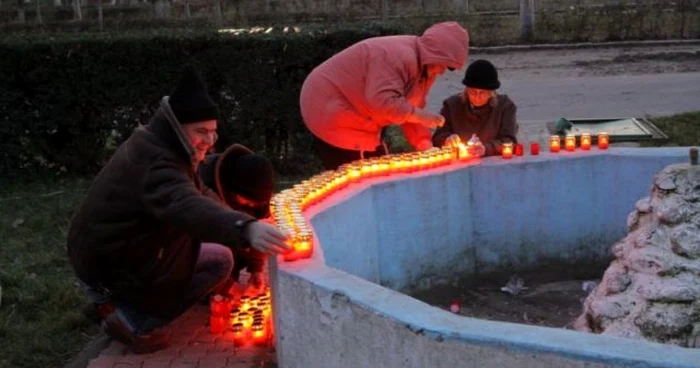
[518, 149]
[534, 148]
[217, 324]
[554, 143]
[507, 150]
[603, 140]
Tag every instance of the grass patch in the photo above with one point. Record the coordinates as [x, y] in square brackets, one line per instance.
[682, 130]
[40, 320]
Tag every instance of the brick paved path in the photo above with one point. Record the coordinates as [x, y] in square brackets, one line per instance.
[192, 346]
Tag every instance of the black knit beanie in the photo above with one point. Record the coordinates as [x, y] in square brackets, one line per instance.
[190, 101]
[250, 175]
[481, 74]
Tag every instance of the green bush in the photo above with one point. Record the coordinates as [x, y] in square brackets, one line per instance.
[66, 103]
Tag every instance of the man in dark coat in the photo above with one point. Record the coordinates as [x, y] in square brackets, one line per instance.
[244, 181]
[478, 110]
[147, 235]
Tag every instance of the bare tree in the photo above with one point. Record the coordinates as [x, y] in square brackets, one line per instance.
[38, 12]
[218, 15]
[77, 11]
[384, 10]
[188, 15]
[57, 3]
[21, 17]
[527, 19]
[100, 17]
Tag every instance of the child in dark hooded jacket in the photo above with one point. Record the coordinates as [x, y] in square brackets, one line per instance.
[244, 181]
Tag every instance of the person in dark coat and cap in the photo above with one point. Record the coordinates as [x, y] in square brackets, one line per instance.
[478, 110]
[245, 181]
[149, 239]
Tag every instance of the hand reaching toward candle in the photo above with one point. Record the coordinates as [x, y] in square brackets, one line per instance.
[267, 238]
[453, 140]
[476, 150]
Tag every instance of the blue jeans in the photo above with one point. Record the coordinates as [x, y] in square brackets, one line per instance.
[214, 266]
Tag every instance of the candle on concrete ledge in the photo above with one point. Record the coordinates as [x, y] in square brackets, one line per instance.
[585, 141]
[603, 140]
[554, 143]
[507, 150]
[570, 142]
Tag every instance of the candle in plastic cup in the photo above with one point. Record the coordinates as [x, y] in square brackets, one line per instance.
[570, 142]
[603, 140]
[554, 143]
[519, 149]
[585, 141]
[507, 150]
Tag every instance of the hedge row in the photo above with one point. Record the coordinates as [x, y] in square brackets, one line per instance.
[66, 103]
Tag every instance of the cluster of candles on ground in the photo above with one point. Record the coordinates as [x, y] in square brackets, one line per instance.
[247, 317]
[288, 206]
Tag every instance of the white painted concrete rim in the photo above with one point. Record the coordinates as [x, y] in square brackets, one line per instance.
[439, 324]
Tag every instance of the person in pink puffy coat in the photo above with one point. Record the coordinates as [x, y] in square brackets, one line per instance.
[348, 99]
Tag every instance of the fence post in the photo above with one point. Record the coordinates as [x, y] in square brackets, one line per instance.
[527, 19]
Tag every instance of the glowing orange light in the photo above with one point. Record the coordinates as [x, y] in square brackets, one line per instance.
[585, 141]
[259, 334]
[570, 142]
[554, 143]
[238, 334]
[603, 140]
[217, 324]
[507, 150]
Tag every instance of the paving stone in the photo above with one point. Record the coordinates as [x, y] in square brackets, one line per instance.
[184, 365]
[187, 360]
[103, 361]
[197, 351]
[114, 349]
[131, 359]
[148, 364]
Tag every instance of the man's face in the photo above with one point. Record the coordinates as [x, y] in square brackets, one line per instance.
[202, 136]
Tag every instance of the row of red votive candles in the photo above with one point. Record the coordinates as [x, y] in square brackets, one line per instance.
[555, 145]
[287, 207]
[248, 318]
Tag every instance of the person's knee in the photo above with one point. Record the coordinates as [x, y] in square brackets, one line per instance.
[226, 263]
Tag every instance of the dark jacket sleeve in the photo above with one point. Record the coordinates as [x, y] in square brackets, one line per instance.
[507, 131]
[172, 197]
[254, 261]
[444, 131]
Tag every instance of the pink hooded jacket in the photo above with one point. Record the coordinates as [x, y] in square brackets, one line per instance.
[349, 98]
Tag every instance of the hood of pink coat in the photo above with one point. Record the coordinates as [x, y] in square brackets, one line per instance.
[444, 43]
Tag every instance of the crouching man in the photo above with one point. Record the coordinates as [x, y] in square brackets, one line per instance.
[149, 239]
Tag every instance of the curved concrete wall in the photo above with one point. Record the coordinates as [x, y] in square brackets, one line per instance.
[337, 309]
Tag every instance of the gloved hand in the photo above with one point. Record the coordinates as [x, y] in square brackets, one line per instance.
[453, 140]
[266, 238]
[476, 150]
[427, 119]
